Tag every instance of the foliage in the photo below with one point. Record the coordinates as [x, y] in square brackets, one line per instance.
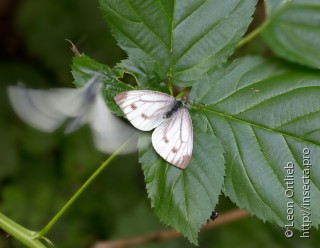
[293, 30]
[181, 47]
[259, 144]
[177, 39]
[255, 114]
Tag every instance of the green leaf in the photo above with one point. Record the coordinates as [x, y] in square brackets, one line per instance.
[83, 68]
[181, 39]
[184, 199]
[272, 6]
[146, 72]
[265, 113]
[293, 31]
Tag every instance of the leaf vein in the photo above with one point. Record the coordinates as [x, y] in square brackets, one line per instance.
[248, 177]
[297, 118]
[145, 24]
[249, 86]
[282, 182]
[260, 126]
[119, 15]
[192, 12]
[300, 165]
[265, 100]
[186, 204]
[205, 33]
[200, 181]
[172, 189]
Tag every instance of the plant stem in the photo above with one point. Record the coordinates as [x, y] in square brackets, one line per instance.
[170, 86]
[45, 230]
[253, 34]
[182, 93]
[22, 234]
[264, 24]
[165, 235]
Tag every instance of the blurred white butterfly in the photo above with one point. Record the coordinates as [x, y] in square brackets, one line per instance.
[46, 110]
[173, 135]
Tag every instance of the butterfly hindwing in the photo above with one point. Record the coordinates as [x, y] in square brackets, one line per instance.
[109, 132]
[173, 135]
[173, 139]
[144, 108]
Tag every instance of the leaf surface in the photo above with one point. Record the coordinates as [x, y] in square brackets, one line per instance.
[266, 114]
[83, 68]
[293, 31]
[180, 40]
[184, 199]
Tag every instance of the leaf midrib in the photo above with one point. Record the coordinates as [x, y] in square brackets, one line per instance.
[146, 24]
[171, 41]
[259, 126]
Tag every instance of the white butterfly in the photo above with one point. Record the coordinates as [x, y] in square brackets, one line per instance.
[173, 135]
[46, 110]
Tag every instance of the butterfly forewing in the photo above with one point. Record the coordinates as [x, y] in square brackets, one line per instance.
[144, 108]
[173, 140]
[35, 107]
[173, 135]
[46, 110]
[109, 132]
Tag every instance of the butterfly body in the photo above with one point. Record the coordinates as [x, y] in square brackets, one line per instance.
[173, 135]
[177, 105]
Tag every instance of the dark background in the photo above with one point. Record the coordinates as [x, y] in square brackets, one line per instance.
[39, 172]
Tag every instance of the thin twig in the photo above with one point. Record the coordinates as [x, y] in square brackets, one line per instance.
[74, 49]
[170, 233]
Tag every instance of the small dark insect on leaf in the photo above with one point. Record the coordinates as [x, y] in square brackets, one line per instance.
[214, 215]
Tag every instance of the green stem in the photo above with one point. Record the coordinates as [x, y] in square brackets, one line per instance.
[263, 25]
[22, 234]
[253, 34]
[45, 230]
[170, 86]
[182, 93]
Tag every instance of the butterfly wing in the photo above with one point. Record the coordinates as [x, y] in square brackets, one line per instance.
[46, 110]
[173, 139]
[34, 108]
[144, 108]
[109, 132]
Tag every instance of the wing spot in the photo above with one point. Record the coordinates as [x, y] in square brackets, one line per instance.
[165, 139]
[185, 161]
[120, 97]
[133, 106]
[144, 116]
[174, 150]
